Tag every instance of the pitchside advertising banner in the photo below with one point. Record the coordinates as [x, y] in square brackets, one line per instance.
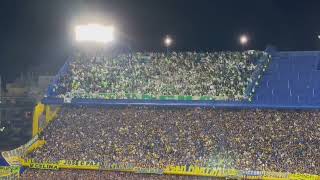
[44, 166]
[169, 170]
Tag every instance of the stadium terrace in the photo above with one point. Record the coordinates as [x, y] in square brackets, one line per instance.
[176, 121]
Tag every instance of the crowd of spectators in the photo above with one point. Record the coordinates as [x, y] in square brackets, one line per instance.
[221, 75]
[269, 140]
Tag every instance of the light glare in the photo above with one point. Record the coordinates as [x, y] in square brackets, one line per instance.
[94, 33]
[168, 41]
[243, 39]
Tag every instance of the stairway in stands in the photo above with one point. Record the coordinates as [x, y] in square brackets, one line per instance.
[293, 78]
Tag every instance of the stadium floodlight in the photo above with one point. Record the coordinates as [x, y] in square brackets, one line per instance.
[168, 41]
[243, 39]
[94, 33]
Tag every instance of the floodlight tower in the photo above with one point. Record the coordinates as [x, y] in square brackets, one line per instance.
[167, 42]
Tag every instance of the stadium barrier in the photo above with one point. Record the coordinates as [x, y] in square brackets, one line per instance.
[135, 96]
[40, 122]
[169, 170]
[38, 111]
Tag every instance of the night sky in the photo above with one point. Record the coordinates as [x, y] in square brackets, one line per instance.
[36, 35]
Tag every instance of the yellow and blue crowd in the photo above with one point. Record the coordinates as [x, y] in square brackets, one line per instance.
[263, 140]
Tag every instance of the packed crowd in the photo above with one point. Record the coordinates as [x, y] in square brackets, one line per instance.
[281, 141]
[100, 175]
[221, 75]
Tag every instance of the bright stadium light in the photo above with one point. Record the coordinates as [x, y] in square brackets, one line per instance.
[94, 33]
[244, 39]
[167, 41]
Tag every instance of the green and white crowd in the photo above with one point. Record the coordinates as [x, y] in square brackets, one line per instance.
[221, 75]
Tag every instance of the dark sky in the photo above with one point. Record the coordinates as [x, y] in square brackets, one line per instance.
[37, 34]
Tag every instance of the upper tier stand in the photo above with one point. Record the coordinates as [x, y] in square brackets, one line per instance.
[291, 81]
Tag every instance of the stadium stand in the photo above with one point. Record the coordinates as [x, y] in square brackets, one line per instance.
[276, 139]
[289, 80]
[220, 75]
[152, 137]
